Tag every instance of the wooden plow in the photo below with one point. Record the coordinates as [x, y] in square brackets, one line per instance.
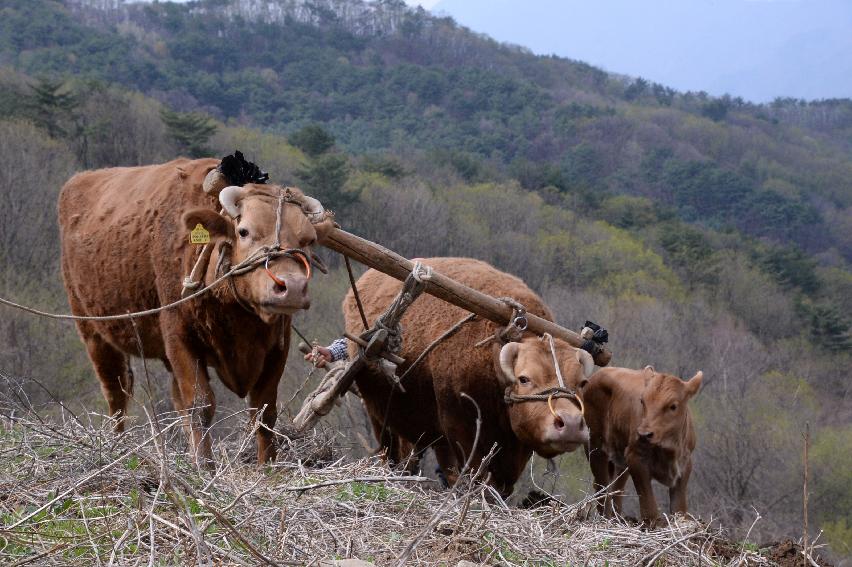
[382, 342]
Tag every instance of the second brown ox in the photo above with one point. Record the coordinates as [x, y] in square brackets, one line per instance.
[639, 423]
[433, 413]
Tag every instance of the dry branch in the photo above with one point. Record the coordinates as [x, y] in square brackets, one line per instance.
[141, 506]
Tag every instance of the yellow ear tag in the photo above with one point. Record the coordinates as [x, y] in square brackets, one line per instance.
[199, 235]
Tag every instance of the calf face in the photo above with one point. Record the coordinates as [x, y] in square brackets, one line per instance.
[548, 427]
[664, 408]
[281, 286]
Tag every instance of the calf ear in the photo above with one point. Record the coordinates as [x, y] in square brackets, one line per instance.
[507, 357]
[648, 373]
[693, 384]
[213, 222]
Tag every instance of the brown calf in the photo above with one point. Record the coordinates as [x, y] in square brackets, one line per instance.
[639, 421]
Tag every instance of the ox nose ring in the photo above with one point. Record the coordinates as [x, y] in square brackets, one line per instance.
[292, 254]
[550, 406]
[275, 278]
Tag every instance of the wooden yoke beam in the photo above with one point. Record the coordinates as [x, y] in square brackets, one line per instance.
[390, 263]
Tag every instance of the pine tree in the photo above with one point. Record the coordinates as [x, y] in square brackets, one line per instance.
[190, 131]
[325, 177]
[52, 105]
[312, 139]
[829, 329]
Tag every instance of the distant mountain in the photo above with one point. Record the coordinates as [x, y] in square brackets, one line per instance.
[757, 49]
[383, 76]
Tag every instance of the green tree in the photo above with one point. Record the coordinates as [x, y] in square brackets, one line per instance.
[791, 268]
[636, 89]
[312, 139]
[52, 107]
[828, 327]
[325, 177]
[190, 131]
[716, 110]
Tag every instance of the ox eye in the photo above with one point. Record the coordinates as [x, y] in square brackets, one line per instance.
[642, 401]
[243, 232]
[523, 380]
[673, 407]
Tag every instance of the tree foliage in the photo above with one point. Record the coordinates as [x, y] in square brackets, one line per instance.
[190, 131]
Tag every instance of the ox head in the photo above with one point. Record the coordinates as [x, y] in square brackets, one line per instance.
[525, 368]
[248, 222]
[664, 407]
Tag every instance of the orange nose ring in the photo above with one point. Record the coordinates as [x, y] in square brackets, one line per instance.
[550, 406]
[296, 254]
[579, 401]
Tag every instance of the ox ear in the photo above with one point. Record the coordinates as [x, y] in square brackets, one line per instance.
[216, 224]
[693, 384]
[507, 358]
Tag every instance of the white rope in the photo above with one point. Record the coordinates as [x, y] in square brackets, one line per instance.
[549, 338]
[421, 272]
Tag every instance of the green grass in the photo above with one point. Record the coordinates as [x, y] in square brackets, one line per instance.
[363, 491]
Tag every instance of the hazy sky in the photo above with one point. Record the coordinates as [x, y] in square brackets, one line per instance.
[757, 49]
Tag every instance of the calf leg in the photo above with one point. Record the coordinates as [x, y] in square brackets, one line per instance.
[642, 482]
[677, 493]
[113, 370]
[194, 399]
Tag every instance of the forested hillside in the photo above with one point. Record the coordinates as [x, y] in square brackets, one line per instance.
[704, 233]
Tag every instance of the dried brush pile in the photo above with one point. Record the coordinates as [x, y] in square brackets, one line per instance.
[74, 493]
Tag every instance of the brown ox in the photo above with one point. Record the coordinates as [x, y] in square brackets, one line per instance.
[639, 422]
[432, 411]
[125, 248]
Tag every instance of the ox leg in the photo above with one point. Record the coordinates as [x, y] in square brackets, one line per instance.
[642, 482]
[194, 399]
[263, 399]
[677, 493]
[599, 463]
[446, 458]
[389, 442]
[113, 370]
[407, 454]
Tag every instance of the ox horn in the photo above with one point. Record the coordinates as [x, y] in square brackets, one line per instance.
[312, 208]
[228, 199]
[508, 354]
[587, 361]
[214, 182]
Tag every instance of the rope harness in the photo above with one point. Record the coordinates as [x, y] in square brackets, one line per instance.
[549, 394]
[270, 252]
[224, 271]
